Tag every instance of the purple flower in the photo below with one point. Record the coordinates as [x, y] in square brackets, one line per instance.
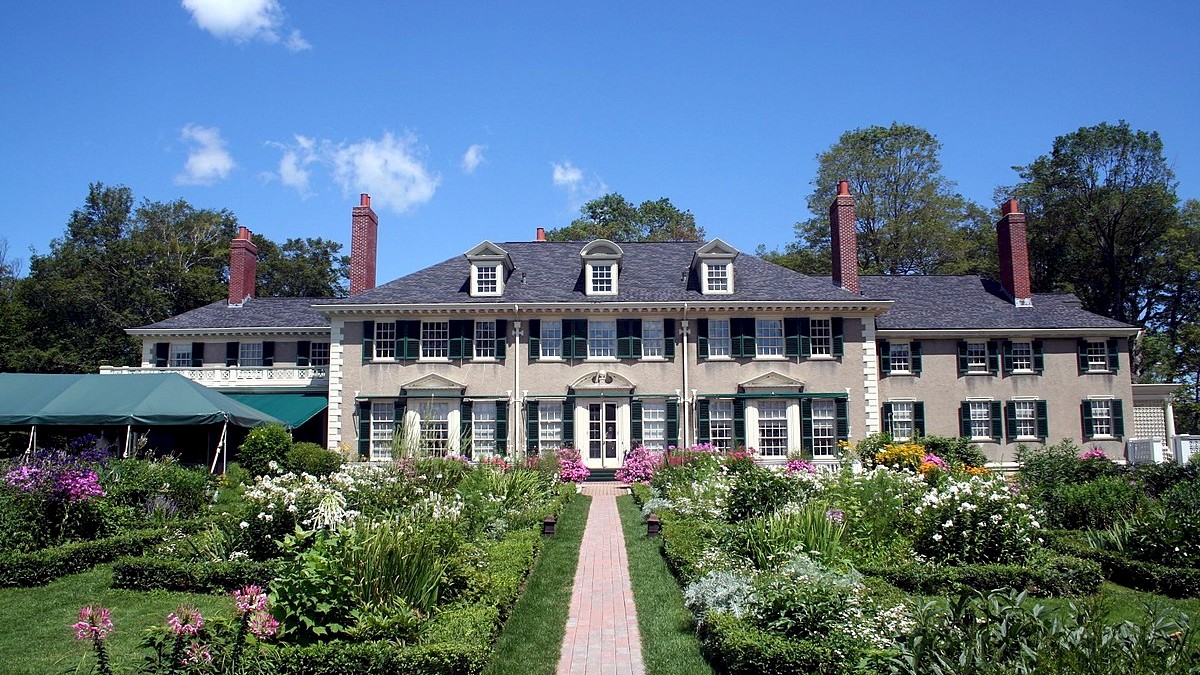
[639, 466]
[1092, 453]
[795, 466]
[95, 623]
[263, 625]
[570, 466]
[836, 515]
[186, 620]
[250, 599]
[197, 654]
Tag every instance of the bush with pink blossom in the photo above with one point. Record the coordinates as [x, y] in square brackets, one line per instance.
[639, 466]
[570, 466]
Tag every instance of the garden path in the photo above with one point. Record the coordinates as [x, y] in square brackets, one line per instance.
[602, 630]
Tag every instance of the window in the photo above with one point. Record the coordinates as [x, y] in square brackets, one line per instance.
[717, 278]
[602, 338]
[250, 354]
[1097, 355]
[654, 425]
[718, 338]
[652, 338]
[900, 358]
[602, 278]
[977, 357]
[768, 337]
[483, 428]
[772, 428]
[550, 426]
[486, 280]
[1022, 357]
[485, 340]
[1025, 414]
[318, 354]
[550, 338]
[821, 335]
[435, 339]
[1102, 417]
[720, 424]
[383, 430]
[902, 420]
[824, 428]
[981, 419]
[385, 339]
[435, 427]
[181, 355]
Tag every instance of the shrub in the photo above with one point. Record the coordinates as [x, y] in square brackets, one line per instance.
[1096, 504]
[1046, 575]
[957, 451]
[978, 520]
[139, 484]
[262, 446]
[758, 491]
[879, 507]
[168, 574]
[40, 567]
[570, 466]
[812, 528]
[737, 647]
[1156, 479]
[312, 458]
[639, 466]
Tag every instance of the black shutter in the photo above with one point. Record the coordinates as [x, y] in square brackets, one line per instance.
[842, 410]
[1043, 421]
[568, 422]
[1010, 421]
[368, 341]
[886, 413]
[739, 422]
[501, 339]
[574, 341]
[1118, 418]
[502, 427]
[746, 337]
[672, 422]
[364, 430]
[1008, 357]
[702, 431]
[231, 353]
[914, 351]
[805, 337]
[1114, 355]
[669, 338]
[627, 331]
[997, 422]
[702, 338]
[400, 408]
[408, 336]
[162, 354]
[303, 350]
[885, 357]
[839, 338]
[962, 358]
[1085, 414]
[535, 339]
[635, 422]
[531, 428]
[919, 418]
[993, 357]
[268, 359]
[1039, 357]
[806, 424]
[458, 330]
[791, 336]
[964, 419]
[197, 354]
[1082, 355]
[466, 428]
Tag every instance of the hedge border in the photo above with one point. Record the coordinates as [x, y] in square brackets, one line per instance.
[1174, 582]
[1055, 575]
[170, 574]
[43, 566]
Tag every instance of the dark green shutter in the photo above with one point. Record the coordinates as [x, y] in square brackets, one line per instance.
[399, 409]
[408, 336]
[918, 418]
[673, 422]
[997, 422]
[993, 358]
[574, 340]
[1008, 357]
[839, 337]
[1118, 418]
[1010, 421]
[805, 337]
[197, 354]
[501, 339]
[268, 352]
[629, 343]
[535, 339]
[364, 430]
[303, 351]
[806, 425]
[1043, 421]
[842, 410]
[739, 422]
[1085, 413]
[743, 337]
[669, 338]
[635, 422]
[531, 428]
[791, 336]
[964, 419]
[1081, 353]
[914, 352]
[962, 358]
[368, 341]
[1039, 357]
[702, 338]
[1114, 355]
[702, 420]
[466, 427]
[885, 357]
[502, 427]
[568, 422]
[231, 353]
[457, 335]
[886, 413]
[162, 354]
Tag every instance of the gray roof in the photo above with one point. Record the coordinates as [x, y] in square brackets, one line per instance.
[971, 302]
[254, 313]
[546, 271]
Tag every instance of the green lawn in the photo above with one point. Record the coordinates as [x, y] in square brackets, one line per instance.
[669, 645]
[532, 637]
[35, 637]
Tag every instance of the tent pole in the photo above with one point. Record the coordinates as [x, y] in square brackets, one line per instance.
[220, 450]
[32, 439]
[128, 439]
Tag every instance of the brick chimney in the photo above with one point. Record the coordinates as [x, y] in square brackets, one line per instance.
[541, 234]
[843, 239]
[364, 238]
[1014, 254]
[243, 267]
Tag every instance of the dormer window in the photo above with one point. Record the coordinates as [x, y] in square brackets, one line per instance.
[713, 264]
[490, 265]
[602, 278]
[716, 277]
[602, 266]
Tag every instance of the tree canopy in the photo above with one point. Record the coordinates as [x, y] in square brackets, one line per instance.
[613, 217]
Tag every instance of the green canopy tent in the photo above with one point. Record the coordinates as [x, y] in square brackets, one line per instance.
[120, 400]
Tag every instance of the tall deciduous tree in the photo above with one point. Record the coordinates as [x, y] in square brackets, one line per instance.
[301, 268]
[614, 217]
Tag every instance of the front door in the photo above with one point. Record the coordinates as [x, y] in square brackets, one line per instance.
[602, 436]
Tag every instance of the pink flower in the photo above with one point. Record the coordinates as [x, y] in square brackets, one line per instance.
[795, 466]
[250, 599]
[95, 623]
[1093, 453]
[197, 654]
[186, 620]
[570, 466]
[639, 466]
[263, 625]
[933, 459]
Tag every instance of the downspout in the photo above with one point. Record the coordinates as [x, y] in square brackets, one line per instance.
[516, 415]
[686, 399]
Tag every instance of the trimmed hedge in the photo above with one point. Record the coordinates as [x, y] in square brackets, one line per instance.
[170, 574]
[46, 565]
[736, 647]
[1175, 582]
[1051, 575]
[641, 493]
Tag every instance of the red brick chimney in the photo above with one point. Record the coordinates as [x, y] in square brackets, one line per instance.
[243, 267]
[364, 238]
[1014, 254]
[541, 234]
[843, 238]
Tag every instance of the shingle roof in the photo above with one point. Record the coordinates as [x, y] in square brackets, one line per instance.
[650, 272]
[254, 313]
[971, 302]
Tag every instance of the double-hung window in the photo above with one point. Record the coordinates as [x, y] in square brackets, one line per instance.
[772, 428]
[602, 278]
[821, 336]
[483, 428]
[550, 339]
[1102, 417]
[486, 282]
[824, 422]
[1022, 357]
[602, 338]
[717, 279]
[768, 337]
[900, 358]
[435, 339]
[318, 354]
[652, 338]
[250, 354]
[385, 339]
[550, 426]
[1025, 416]
[654, 425]
[981, 419]
[902, 420]
[1097, 355]
[485, 340]
[718, 338]
[720, 424]
[181, 355]
[435, 427]
[977, 357]
[383, 430]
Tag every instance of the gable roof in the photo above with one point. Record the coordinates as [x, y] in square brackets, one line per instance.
[972, 302]
[254, 313]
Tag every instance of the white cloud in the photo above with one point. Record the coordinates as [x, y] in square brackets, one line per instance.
[294, 165]
[567, 175]
[388, 168]
[244, 20]
[473, 158]
[209, 161]
[579, 186]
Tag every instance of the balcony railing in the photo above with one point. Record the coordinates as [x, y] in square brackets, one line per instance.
[237, 376]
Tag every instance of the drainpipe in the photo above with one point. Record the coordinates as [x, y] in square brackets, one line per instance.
[685, 328]
[516, 409]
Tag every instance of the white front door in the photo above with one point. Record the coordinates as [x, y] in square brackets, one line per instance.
[602, 451]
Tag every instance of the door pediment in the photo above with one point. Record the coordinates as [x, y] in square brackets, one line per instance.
[602, 381]
[433, 383]
[772, 381]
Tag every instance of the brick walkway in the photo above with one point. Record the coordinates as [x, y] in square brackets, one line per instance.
[602, 631]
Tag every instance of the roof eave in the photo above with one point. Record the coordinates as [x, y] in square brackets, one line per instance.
[865, 306]
[1128, 331]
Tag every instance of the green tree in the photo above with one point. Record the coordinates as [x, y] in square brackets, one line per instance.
[299, 268]
[909, 218]
[613, 217]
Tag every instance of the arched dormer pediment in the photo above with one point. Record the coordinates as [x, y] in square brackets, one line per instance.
[490, 267]
[601, 248]
[603, 381]
[601, 267]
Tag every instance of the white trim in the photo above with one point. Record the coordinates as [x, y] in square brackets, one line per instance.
[624, 306]
[872, 421]
[336, 363]
[963, 333]
[208, 332]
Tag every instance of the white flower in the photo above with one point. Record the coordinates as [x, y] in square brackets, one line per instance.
[948, 524]
[937, 537]
[243, 524]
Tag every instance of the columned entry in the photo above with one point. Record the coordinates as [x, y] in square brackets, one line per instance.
[602, 450]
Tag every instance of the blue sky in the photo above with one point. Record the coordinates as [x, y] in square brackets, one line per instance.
[468, 121]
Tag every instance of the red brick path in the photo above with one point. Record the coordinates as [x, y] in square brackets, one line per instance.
[602, 631]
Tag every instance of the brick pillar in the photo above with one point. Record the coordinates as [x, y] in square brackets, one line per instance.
[843, 238]
[1014, 254]
[364, 238]
[243, 267]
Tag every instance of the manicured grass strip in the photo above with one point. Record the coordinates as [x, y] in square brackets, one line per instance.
[34, 634]
[669, 644]
[533, 635]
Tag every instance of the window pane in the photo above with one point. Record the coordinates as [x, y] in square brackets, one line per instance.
[602, 337]
[551, 338]
[772, 428]
[824, 428]
[1097, 355]
[318, 354]
[1102, 418]
[435, 427]
[768, 337]
[900, 357]
[483, 440]
[718, 277]
[383, 429]
[981, 419]
[902, 420]
[1022, 356]
[385, 340]
[820, 332]
[435, 339]
[550, 417]
[250, 354]
[1026, 414]
[485, 339]
[602, 278]
[718, 337]
[720, 424]
[485, 279]
[977, 361]
[654, 425]
[652, 337]
[181, 355]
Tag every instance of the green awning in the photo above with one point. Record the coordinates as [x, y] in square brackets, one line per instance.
[293, 409]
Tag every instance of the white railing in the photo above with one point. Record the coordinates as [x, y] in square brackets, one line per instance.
[237, 376]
